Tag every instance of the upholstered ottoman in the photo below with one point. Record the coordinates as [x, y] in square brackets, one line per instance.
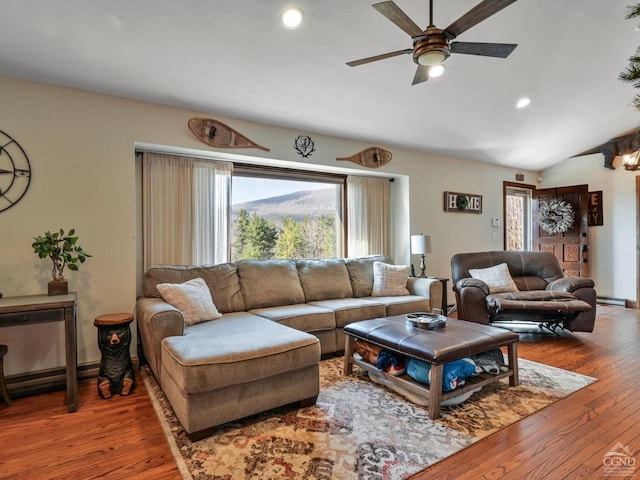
[242, 366]
[459, 339]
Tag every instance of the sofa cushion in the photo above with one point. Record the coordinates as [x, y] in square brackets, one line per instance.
[497, 278]
[389, 280]
[347, 310]
[236, 352]
[192, 298]
[361, 273]
[402, 305]
[324, 279]
[305, 317]
[222, 281]
[270, 283]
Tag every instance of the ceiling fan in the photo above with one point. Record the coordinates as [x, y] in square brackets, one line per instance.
[433, 46]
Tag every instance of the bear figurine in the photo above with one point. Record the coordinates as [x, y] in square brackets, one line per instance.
[116, 373]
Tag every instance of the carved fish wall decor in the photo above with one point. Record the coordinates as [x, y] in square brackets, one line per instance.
[217, 134]
[372, 157]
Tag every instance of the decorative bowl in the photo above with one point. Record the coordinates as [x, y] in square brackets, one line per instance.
[429, 321]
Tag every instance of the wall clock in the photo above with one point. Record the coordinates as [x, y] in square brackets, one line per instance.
[15, 172]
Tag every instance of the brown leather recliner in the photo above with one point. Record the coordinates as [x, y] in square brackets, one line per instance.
[544, 295]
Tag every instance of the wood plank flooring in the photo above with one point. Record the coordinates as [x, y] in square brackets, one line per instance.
[121, 437]
[568, 439]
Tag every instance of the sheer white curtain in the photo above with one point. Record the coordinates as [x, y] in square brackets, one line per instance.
[368, 207]
[211, 203]
[185, 204]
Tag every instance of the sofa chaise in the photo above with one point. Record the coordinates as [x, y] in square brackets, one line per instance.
[272, 322]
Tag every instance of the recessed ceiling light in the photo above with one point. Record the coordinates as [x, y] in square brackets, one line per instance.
[436, 71]
[523, 102]
[292, 17]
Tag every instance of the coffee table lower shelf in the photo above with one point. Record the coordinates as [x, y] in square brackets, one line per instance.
[422, 390]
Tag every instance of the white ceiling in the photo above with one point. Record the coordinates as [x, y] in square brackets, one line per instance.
[233, 58]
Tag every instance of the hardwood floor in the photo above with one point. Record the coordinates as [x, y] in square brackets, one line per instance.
[121, 437]
[568, 439]
[115, 438]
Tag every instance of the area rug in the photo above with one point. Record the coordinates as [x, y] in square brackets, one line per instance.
[357, 429]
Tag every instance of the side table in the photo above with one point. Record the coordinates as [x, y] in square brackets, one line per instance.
[116, 373]
[31, 309]
[445, 297]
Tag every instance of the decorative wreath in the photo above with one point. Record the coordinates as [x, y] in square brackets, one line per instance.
[555, 216]
[462, 202]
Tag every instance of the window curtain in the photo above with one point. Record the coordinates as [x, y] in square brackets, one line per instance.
[368, 222]
[186, 204]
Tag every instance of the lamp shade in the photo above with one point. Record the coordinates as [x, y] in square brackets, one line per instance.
[420, 244]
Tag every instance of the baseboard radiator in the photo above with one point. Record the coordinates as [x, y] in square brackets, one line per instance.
[617, 302]
[53, 379]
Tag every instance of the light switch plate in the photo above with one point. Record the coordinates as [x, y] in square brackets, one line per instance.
[495, 221]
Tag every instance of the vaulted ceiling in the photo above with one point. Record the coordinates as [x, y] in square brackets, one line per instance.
[234, 58]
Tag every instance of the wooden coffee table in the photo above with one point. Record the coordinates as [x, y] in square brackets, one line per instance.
[459, 339]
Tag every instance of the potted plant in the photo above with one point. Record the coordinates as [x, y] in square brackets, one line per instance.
[64, 252]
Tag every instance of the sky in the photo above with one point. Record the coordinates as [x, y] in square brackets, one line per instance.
[246, 189]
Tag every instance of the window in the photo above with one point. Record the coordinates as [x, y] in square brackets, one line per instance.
[204, 211]
[281, 216]
[517, 215]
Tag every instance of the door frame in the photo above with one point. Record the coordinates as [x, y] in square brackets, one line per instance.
[505, 185]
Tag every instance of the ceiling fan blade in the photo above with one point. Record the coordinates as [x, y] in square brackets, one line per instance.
[397, 16]
[477, 14]
[375, 58]
[500, 50]
[422, 75]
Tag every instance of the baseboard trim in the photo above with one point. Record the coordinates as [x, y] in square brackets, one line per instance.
[52, 379]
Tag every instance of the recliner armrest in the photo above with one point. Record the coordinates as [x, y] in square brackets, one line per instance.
[471, 294]
[472, 282]
[570, 284]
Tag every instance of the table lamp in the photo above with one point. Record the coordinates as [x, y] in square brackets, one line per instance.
[421, 245]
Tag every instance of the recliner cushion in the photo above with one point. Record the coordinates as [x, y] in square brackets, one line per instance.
[537, 300]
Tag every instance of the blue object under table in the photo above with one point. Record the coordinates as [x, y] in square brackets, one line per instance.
[459, 339]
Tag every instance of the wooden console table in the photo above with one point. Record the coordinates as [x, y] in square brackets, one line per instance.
[31, 309]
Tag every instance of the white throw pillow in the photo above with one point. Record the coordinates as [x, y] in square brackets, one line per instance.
[389, 280]
[192, 298]
[497, 278]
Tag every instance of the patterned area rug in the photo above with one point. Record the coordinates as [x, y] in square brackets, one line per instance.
[357, 429]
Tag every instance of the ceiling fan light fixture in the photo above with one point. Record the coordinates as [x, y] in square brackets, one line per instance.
[292, 17]
[436, 70]
[431, 57]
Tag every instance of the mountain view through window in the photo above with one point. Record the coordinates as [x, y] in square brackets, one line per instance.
[275, 218]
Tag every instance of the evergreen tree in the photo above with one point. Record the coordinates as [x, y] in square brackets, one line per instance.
[290, 240]
[328, 226]
[632, 73]
[261, 237]
[240, 235]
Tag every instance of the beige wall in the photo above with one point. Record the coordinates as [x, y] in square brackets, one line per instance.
[81, 147]
[612, 251]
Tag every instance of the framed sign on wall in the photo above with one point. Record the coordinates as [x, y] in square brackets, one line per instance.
[595, 209]
[462, 202]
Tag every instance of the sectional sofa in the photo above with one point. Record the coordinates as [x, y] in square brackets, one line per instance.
[272, 321]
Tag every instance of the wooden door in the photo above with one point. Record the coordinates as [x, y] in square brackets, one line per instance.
[572, 246]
